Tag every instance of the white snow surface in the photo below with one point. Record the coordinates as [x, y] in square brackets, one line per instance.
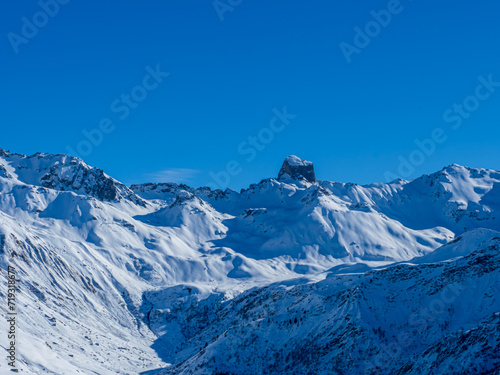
[295, 161]
[119, 280]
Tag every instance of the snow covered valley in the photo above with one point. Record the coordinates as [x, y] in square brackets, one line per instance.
[290, 276]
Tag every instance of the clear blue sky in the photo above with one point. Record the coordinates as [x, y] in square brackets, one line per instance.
[353, 120]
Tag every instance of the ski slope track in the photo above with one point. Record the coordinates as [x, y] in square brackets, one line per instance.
[292, 275]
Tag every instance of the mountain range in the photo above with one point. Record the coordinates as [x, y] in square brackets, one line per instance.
[292, 275]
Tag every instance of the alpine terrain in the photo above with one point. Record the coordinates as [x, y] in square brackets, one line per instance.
[292, 275]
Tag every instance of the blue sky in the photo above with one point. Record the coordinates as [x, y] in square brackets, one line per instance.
[422, 72]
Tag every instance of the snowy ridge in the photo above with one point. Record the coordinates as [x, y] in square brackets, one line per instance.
[399, 319]
[63, 172]
[124, 280]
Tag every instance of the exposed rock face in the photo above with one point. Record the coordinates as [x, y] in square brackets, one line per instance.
[92, 181]
[63, 173]
[3, 172]
[294, 167]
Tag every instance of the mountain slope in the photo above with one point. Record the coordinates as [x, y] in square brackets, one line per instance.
[405, 319]
[123, 280]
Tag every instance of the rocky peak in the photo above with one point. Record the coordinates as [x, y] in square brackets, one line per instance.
[64, 173]
[295, 168]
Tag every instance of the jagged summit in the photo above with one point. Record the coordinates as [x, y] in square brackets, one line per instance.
[175, 274]
[64, 173]
[295, 168]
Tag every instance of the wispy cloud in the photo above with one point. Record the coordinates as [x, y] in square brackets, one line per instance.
[171, 175]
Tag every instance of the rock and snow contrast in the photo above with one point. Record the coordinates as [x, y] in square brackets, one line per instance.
[290, 276]
[297, 169]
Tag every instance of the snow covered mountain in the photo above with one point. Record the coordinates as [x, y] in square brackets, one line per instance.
[292, 275]
[409, 318]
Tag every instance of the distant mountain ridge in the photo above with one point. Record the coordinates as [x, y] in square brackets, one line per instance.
[63, 172]
[173, 274]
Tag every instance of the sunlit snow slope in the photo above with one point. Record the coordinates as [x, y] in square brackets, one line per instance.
[116, 279]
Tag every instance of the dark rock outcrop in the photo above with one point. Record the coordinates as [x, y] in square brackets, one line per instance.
[297, 169]
[65, 173]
